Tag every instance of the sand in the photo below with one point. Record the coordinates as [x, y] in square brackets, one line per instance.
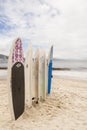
[64, 109]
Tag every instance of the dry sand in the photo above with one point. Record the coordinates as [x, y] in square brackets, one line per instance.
[64, 109]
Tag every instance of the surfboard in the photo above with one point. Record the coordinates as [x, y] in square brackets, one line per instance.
[16, 80]
[50, 58]
[42, 85]
[28, 76]
[46, 75]
[35, 78]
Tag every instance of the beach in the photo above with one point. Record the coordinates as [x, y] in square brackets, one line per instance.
[64, 109]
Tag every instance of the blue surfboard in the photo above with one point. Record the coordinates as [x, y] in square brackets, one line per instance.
[50, 69]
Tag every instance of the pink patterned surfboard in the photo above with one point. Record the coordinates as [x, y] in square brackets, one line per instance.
[16, 79]
[17, 55]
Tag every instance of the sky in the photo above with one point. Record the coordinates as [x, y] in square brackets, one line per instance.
[61, 23]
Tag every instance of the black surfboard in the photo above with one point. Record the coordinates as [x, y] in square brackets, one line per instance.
[18, 90]
[16, 79]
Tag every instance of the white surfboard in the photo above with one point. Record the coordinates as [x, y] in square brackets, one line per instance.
[28, 77]
[16, 88]
[35, 67]
[46, 75]
[42, 80]
[46, 71]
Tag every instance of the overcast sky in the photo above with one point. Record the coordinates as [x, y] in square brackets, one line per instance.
[62, 23]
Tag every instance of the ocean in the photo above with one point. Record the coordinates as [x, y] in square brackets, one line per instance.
[70, 68]
[70, 64]
[61, 68]
[3, 64]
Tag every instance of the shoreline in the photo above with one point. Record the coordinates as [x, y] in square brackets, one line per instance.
[3, 68]
[69, 78]
[59, 69]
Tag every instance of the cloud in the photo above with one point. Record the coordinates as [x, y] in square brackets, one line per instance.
[45, 22]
